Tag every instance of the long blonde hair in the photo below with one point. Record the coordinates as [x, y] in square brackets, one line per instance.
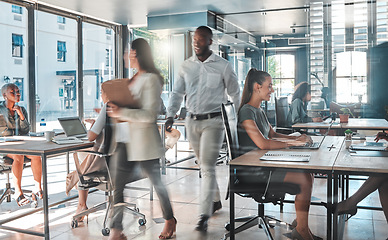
[253, 76]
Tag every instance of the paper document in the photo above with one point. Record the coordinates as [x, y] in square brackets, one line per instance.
[286, 156]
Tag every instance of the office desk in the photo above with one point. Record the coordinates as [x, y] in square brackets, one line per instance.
[39, 147]
[353, 124]
[321, 161]
[355, 165]
[162, 124]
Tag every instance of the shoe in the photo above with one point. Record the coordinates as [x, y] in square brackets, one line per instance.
[22, 200]
[202, 223]
[37, 195]
[216, 206]
[169, 236]
[81, 219]
[295, 223]
[342, 209]
[295, 235]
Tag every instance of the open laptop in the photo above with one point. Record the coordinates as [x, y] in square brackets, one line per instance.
[314, 145]
[73, 127]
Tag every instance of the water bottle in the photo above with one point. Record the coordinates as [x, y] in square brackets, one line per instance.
[42, 125]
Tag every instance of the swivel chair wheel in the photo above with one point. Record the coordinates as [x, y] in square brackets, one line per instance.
[74, 223]
[105, 231]
[142, 221]
[227, 227]
[137, 209]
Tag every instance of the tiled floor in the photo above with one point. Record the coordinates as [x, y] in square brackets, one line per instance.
[183, 186]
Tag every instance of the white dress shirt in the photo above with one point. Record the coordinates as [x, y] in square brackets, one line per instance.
[206, 85]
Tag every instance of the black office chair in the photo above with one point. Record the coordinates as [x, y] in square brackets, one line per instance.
[6, 168]
[282, 109]
[102, 180]
[248, 181]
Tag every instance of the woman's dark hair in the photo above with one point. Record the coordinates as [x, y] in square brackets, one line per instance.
[144, 57]
[253, 76]
[301, 90]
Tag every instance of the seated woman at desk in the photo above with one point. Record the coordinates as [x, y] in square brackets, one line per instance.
[298, 107]
[17, 123]
[100, 131]
[349, 206]
[256, 132]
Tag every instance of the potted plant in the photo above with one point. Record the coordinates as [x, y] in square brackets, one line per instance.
[344, 117]
[348, 137]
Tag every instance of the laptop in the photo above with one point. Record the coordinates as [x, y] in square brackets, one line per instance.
[314, 145]
[73, 127]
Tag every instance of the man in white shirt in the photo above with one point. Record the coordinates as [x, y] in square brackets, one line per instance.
[205, 79]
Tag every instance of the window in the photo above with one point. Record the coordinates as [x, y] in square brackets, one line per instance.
[61, 51]
[282, 69]
[17, 45]
[61, 20]
[17, 9]
[350, 79]
[108, 31]
[19, 82]
[108, 57]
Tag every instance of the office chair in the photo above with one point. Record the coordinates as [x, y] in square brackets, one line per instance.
[247, 185]
[281, 109]
[102, 180]
[6, 168]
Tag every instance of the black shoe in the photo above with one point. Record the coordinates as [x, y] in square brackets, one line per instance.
[216, 206]
[202, 223]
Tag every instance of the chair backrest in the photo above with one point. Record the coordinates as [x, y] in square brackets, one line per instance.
[281, 108]
[355, 108]
[229, 117]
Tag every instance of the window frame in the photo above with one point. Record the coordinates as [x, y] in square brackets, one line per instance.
[17, 44]
[17, 9]
[61, 51]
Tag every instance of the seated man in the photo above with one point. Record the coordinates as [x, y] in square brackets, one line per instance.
[17, 123]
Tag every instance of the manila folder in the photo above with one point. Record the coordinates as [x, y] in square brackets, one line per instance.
[117, 92]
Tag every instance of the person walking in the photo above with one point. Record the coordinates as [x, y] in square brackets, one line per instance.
[205, 79]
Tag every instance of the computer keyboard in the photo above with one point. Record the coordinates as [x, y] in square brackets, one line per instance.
[67, 140]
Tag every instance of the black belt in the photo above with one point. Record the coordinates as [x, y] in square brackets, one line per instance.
[204, 116]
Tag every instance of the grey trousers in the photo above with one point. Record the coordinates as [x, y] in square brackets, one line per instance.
[206, 137]
[123, 172]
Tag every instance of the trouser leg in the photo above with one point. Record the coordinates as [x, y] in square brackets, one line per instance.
[151, 169]
[206, 138]
[120, 171]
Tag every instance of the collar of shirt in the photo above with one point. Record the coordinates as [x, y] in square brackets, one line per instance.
[211, 58]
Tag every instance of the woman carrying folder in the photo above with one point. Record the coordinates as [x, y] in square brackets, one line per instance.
[256, 132]
[144, 143]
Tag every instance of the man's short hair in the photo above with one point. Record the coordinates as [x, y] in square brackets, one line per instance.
[206, 30]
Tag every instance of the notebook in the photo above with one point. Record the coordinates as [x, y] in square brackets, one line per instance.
[286, 156]
[73, 127]
[369, 146]
[67, 140]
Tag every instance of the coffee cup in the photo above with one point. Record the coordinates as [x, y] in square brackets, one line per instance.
[49, 135]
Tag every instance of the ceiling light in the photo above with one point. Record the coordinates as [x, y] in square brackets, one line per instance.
[248, 48]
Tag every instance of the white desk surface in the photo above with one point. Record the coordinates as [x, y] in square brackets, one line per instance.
[321, 159]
